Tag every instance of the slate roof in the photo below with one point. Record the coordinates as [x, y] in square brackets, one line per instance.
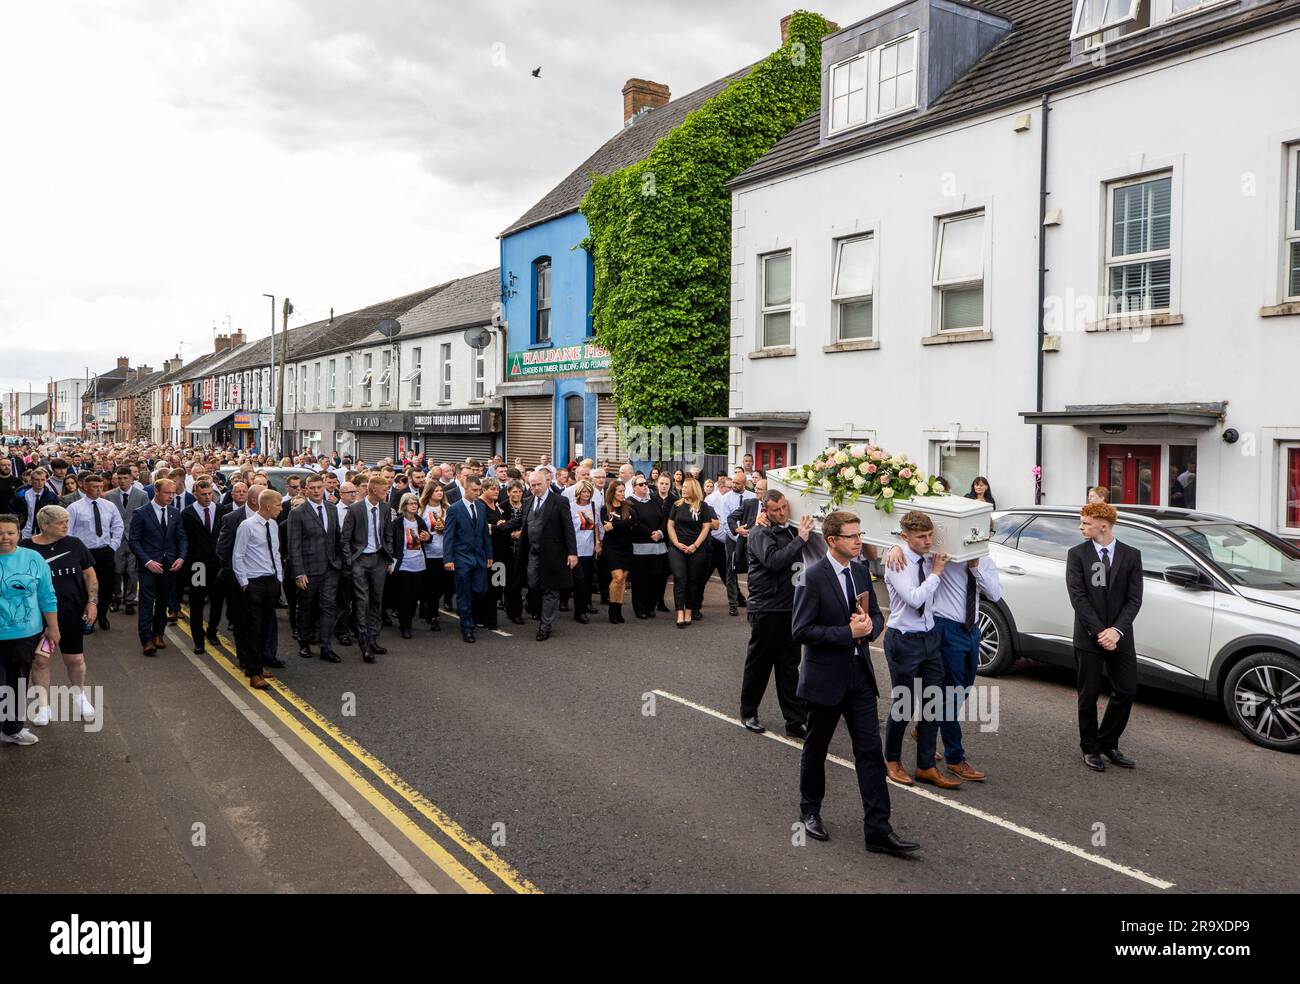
[1033, 59]
[628, 146]
[40, 408]
[460, 303]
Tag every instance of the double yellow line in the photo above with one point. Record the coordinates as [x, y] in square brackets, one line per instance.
[435, 852]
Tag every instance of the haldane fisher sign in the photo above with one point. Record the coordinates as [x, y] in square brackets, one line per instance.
[567, 360]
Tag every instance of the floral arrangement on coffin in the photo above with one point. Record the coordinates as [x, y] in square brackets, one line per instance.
[865, 471]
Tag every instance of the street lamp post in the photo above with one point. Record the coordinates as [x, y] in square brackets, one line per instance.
[273, 433]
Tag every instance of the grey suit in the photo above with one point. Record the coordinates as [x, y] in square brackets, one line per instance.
[127, 579]
[369, 567]
[316, 553]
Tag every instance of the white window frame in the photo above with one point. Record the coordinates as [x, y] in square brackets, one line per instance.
[966, 442]
[302, 386]
[1283, 450]
[479, 374]
[315, 386]
[873, 76]
[1134, 259]
[763, 309]
[347, 380]
[367, 378]
[846, 65]
[444, 372]
[386, 378]
[1292, 241]
[332, 375]
[416, 376]
[838, 299]
[943, 286]
[1077, 30]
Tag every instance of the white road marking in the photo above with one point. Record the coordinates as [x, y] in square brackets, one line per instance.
[456, 615]
[383, 848]
[952, 804]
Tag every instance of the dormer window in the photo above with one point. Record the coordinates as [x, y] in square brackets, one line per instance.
[1098, 22]
[875, 84]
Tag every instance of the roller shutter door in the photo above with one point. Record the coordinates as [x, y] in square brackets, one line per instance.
[608, 447]
[455, 448]
[530, 428]
[374, 447]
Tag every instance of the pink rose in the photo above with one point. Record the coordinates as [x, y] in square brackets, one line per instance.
[871, 469]
[905, 473]
[877, 456]
[886, 478]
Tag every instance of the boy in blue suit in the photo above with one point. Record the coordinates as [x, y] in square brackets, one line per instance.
[467, 552]
[158, 541]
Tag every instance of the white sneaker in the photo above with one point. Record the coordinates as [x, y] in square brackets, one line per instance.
[23, 737]
[85, 707]
[42, 717]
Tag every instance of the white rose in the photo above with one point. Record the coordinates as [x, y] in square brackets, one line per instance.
[915, 482]
[858, 450]
[865, 468]
[840, 457]
[859, 481]
[826, 484]
[937, 488]
[888, 493]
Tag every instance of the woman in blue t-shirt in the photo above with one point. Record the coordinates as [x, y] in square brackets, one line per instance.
[29, 616]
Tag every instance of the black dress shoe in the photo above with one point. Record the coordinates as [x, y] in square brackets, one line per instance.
[367, 656]
[214, 638]
[731, 610]
[697, 616]
[130, 609]
[1094, 762]
[435, 625]
[516, 620]
[742, 602]
[406, 634]
[379, 650]
[113, 606]
[295, 635]
[467, 636]
[581, 618]
[891, 843]
[344, 640]
[103, 622]
[642, 615]
[198, 648]
[799, 731]
[813, 826]
[274, 662]
[564, 607]
[1120, 759]
[661, 607]
[752, 724]
[305, 652]
[543, 635]
[329, 656]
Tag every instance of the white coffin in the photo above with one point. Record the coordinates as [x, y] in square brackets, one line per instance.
[961, 525]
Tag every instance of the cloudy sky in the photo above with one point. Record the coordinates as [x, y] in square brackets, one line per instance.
[169, 161]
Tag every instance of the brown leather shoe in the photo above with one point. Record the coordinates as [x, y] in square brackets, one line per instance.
[936, 778]
[258, 682]
[895, 772]
[160, 642]
[967, 772]
[173, 618]
[150, 649]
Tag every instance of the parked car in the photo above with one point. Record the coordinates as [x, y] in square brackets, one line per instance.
[1220, 614]
[275, 475]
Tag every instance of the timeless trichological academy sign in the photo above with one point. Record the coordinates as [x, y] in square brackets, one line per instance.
[567, 360]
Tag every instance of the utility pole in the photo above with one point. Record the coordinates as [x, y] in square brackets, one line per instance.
[272, 367]
[284, 352]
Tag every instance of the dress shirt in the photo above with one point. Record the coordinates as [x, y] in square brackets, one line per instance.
[907, 593]
[1110, 548]
[950, 597]
[81, 523]
[372, 525]
[472, 508]
[343, 512]
[158, 514]
[257, 550]
[539, 503]
[211, 524]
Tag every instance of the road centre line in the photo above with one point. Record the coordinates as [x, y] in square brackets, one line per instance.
[953, 804]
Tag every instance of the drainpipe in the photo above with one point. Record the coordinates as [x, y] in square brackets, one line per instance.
[1042, 292]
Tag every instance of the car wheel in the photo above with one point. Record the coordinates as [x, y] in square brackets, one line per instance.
[997, 655]
[1262, 697]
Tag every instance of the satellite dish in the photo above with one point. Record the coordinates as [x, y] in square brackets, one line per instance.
[389, 327]
[478, 338]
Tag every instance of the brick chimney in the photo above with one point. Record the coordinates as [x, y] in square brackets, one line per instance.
[785, 27]
[222, 343]
[236, 339]
[123, 362]
[172, 364]
[640, 95]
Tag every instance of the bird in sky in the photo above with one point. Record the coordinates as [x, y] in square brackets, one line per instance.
[537, 72]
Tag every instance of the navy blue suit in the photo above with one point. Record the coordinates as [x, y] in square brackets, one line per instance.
[468, 546]
[48, 497]
[837, 680]
[148, 542]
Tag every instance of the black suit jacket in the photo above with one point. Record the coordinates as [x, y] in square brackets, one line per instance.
[821, 624]
[557, 542]
[48, 497]
[1099, 605]
[226, 535]
[202, 544]
[744, 516]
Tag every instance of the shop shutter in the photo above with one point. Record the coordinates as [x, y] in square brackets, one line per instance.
[608, 447]
[455, 448]
[373, 447]
[530, 422]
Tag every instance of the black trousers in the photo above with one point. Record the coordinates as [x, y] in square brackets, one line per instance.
[15, 664]
[645, 581]
[318, 608]
[690, 574]
[771, 646]
[407, 588]
[437, 582]
[106, 573]
[234, 610]
[1123, 672]
[912, 657]
[258, 619]
[210, 592]
[858, 708]
[345, 608]
[290, 597]
[584, 576]
[485, 604]
[514, 596]
[603, 577]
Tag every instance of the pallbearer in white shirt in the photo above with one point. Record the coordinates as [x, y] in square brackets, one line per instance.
[256, 563]
[97, 523]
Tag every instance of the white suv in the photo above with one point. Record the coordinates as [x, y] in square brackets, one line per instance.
[1220, 611]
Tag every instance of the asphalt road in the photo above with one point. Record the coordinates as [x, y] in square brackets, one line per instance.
[607, 759]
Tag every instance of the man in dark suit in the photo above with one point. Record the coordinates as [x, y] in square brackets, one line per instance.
[127, 498]
[31, 499]
[226, 530]
[1104, 578]
[548, 540]
[837, 680]
[467, 552]
[202, 568]
[157, 539]
[741, 523]
[367, 536]
[315, 559]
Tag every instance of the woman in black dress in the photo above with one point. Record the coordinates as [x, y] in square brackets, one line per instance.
[649, 550]
[485, 605]
[619, 526]
[689, 526]
[505, 549]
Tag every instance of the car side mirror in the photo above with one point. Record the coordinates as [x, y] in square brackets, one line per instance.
[1184, 576]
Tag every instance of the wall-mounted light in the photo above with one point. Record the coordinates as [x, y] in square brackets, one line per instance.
[1114, 428]
[1231, 436]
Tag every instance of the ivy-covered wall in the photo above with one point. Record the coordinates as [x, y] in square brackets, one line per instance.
[661, 237]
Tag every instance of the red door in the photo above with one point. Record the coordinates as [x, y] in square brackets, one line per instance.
[770, 456]
[1131, 472]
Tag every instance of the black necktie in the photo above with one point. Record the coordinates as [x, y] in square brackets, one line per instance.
[162, 519]
[321, 510]
[270, 550]
[99, 525]
[374, 518]
[972, 598]
[1105, 567]
[473, 517]
[920, 579]
[207, 520]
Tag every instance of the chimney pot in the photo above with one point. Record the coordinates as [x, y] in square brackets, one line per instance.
[123, 362]
[642, 94]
